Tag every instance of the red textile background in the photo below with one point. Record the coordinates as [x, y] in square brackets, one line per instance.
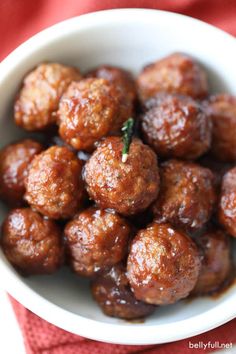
[20, 19]
[43, 338]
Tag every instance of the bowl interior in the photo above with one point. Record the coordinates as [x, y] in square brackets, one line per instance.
[130, 39]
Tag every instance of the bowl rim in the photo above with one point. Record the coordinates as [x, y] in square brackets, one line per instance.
[132, 334]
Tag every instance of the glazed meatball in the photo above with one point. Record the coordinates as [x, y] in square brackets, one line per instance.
[227, 205]
[222, 109]
[176, 73]
[89, 110]
[117, 76]
[31, 243]
[163, 265]
[187, 195]
[54, 185]
[127, 187]
[112, 293]
[14, 163]
[96, 239]
[37, 101]
[216, 261]
[176, 126]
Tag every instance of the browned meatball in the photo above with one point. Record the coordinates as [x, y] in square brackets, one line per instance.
[222, 109]
[31, 243]
[187, 195]
[89, 110]
[37, 102]
[54, 186]
[163, 265]
[176, 126]
[216, 261]
[14, 163]
[117, 76]
[96, 239]
[112, 293]
[227, 205]
[128, 187]
[176, 73]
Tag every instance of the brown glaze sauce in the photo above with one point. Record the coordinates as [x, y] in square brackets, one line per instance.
[216, 294]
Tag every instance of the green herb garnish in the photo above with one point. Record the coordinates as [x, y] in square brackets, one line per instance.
[127, 130]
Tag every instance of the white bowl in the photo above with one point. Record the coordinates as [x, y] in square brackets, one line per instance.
[131, 39]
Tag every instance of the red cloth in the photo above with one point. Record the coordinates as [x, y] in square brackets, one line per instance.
[43, 338]
[20, 19]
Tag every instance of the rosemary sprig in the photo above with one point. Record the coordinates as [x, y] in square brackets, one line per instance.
[127, 129]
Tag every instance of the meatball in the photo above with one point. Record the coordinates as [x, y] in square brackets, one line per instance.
[187, 195]
[216, 261]
[96, 239]
[176, 73]
[37, 101]
[163, 265]
[54, 185]
[222, 109]
[127, 187]
[31, 243]
[91, 109]
[14, 163]
[176, 126]
[227, 205]
[119, 77]
[112, 293]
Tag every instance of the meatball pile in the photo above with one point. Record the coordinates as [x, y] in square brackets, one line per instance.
[147, 211]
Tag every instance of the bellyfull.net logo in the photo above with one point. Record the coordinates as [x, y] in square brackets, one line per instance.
[210, 345]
